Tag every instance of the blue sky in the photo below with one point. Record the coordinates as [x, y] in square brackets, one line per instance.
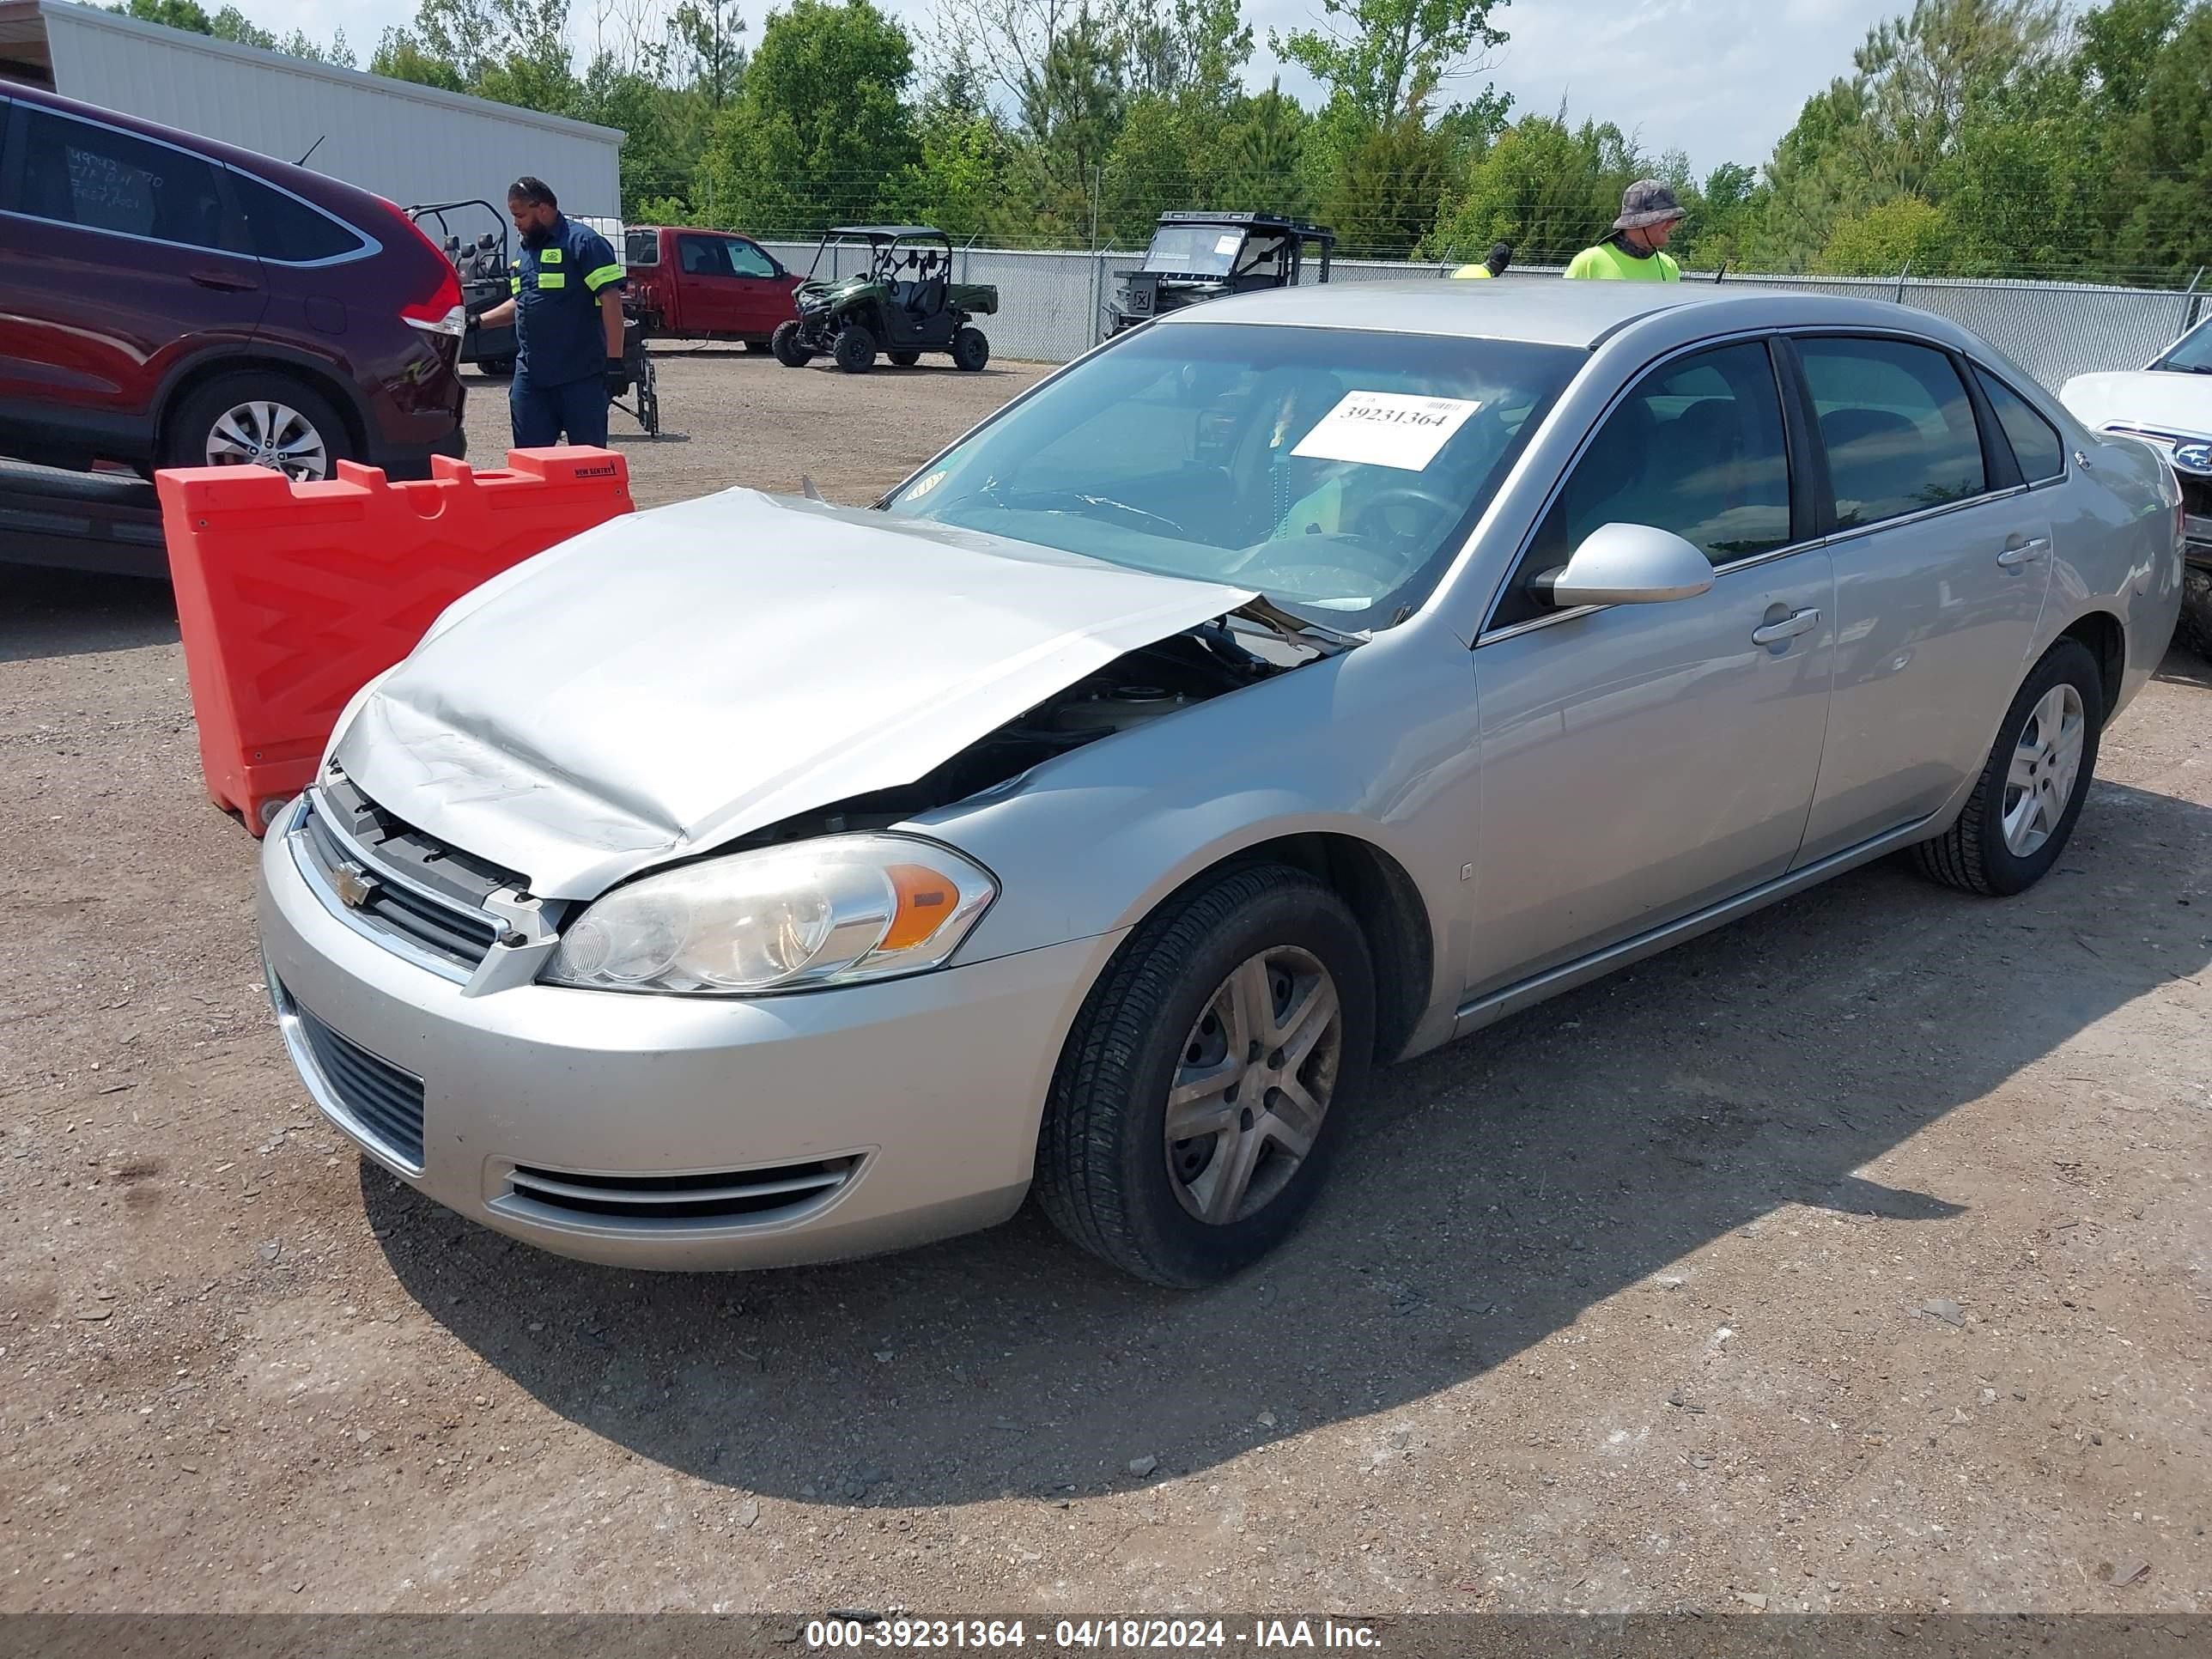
[1719, 79]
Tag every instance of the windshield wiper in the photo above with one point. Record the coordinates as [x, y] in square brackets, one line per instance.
[1295, 630]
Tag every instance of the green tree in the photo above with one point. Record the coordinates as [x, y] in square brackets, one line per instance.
[1256, 158]
[185, 15]
[1387, 56]
[1883, 240]
[708, 32]
[1548, 188]
[820, 129]
[2164, 144]
[401, 57]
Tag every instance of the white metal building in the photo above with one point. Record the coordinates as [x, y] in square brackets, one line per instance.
[408, 143]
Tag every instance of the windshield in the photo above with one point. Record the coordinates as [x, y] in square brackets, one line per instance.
[1335, 471]
[1195, 250]
[2193, 351]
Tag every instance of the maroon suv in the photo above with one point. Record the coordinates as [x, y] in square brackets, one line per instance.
[166, 300]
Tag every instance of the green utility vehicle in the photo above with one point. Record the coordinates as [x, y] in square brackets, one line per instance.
[902, 304]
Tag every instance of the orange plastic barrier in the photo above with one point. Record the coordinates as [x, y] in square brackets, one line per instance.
[292, 596]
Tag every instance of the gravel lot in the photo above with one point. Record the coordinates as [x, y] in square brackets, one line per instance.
[1859, 1257]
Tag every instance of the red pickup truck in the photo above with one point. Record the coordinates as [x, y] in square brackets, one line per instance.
[687, 284]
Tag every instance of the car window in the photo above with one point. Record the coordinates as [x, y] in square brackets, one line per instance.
[2191, 354]
[282, 227]
[75, 173]
[1897, 425]
[2035, 441]
[702, 256]
[1336, 471]
[642, 247]
[747, 260]
[1696, 447]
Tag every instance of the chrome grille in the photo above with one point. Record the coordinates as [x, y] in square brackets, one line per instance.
[384, 1102]
[676, 1200]
[409, 887]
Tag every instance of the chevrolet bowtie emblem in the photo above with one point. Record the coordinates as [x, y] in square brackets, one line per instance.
[355, 886]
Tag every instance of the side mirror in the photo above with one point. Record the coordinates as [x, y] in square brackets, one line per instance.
[1627, 564]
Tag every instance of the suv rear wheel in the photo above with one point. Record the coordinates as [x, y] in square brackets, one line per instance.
[257, 418]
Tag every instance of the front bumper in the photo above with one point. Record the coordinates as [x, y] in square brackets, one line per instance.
[926, 1092]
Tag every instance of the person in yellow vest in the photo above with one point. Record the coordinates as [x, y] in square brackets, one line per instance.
[1501, 255]
[1636, 251]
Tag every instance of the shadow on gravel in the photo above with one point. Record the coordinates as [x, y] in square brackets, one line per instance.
[2183, 667]
[1490, 1193]
[70, 613]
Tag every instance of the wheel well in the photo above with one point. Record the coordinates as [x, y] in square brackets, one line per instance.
[193, 378]
[2107, 641]
[1390, 913]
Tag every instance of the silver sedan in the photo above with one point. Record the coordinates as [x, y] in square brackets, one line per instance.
[1298, 683]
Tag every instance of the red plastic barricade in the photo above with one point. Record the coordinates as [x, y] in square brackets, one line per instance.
[292, 596]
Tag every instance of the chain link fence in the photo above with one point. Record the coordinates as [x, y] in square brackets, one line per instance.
[1055, 305]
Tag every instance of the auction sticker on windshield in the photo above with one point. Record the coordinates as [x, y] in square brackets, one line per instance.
[1228, 244]
[1386, 428]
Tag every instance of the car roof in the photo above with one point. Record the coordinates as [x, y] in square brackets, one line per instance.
[1548, 311]
[893, 231]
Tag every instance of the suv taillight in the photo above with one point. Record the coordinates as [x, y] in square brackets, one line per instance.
[442, 310]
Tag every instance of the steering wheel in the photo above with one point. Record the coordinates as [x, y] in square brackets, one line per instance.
[1376, 505]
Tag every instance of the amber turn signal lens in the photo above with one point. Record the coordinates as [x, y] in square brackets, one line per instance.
[925, 902]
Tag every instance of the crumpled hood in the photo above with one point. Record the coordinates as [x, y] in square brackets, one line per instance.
[2159, 398]
[675, 678]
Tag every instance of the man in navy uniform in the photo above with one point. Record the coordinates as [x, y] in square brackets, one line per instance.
[566, 311]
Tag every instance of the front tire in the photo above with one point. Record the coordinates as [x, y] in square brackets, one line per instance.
[257, 418]
[855, 351]
[1203, 1089]
[2024, 805]
[971, 350]
[789, 349]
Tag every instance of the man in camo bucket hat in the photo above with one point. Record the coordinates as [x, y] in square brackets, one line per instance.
[1635, 253]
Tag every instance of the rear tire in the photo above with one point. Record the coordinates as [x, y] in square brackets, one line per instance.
[855, 350]
[257, 418]
[2192, 629]
[1109, 1173]
[790, 349]
[904, 359]
[2023, 811]
[971, 350]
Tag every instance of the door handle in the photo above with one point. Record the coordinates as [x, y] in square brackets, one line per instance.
[228, 282]
[2027, 553]
[1797, 622]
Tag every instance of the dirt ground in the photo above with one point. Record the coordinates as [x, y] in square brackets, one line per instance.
[1857, 1257]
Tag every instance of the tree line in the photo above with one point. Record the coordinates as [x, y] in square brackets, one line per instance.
[1968, 137]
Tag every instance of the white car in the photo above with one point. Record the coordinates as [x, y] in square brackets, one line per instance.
[2168, 404]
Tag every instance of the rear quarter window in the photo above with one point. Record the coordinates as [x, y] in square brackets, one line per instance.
[2034, 440]
[642, 247]
[285, 228]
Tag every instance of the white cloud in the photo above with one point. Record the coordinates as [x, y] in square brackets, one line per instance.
[1719, 79]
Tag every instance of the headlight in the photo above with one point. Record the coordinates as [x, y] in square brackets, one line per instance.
[825, 912]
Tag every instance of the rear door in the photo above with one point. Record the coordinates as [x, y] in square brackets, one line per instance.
[1943, 557]
[122, 257]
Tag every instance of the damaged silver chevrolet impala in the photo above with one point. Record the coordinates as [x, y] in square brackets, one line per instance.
[1294, 683]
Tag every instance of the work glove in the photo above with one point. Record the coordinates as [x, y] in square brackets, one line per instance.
[617, 377]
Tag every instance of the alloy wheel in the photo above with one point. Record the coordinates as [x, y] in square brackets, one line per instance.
[271, 434]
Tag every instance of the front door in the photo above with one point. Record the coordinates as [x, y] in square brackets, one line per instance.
[1640, 761]
[762, 294]
[119, 256]
[1942, 561]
